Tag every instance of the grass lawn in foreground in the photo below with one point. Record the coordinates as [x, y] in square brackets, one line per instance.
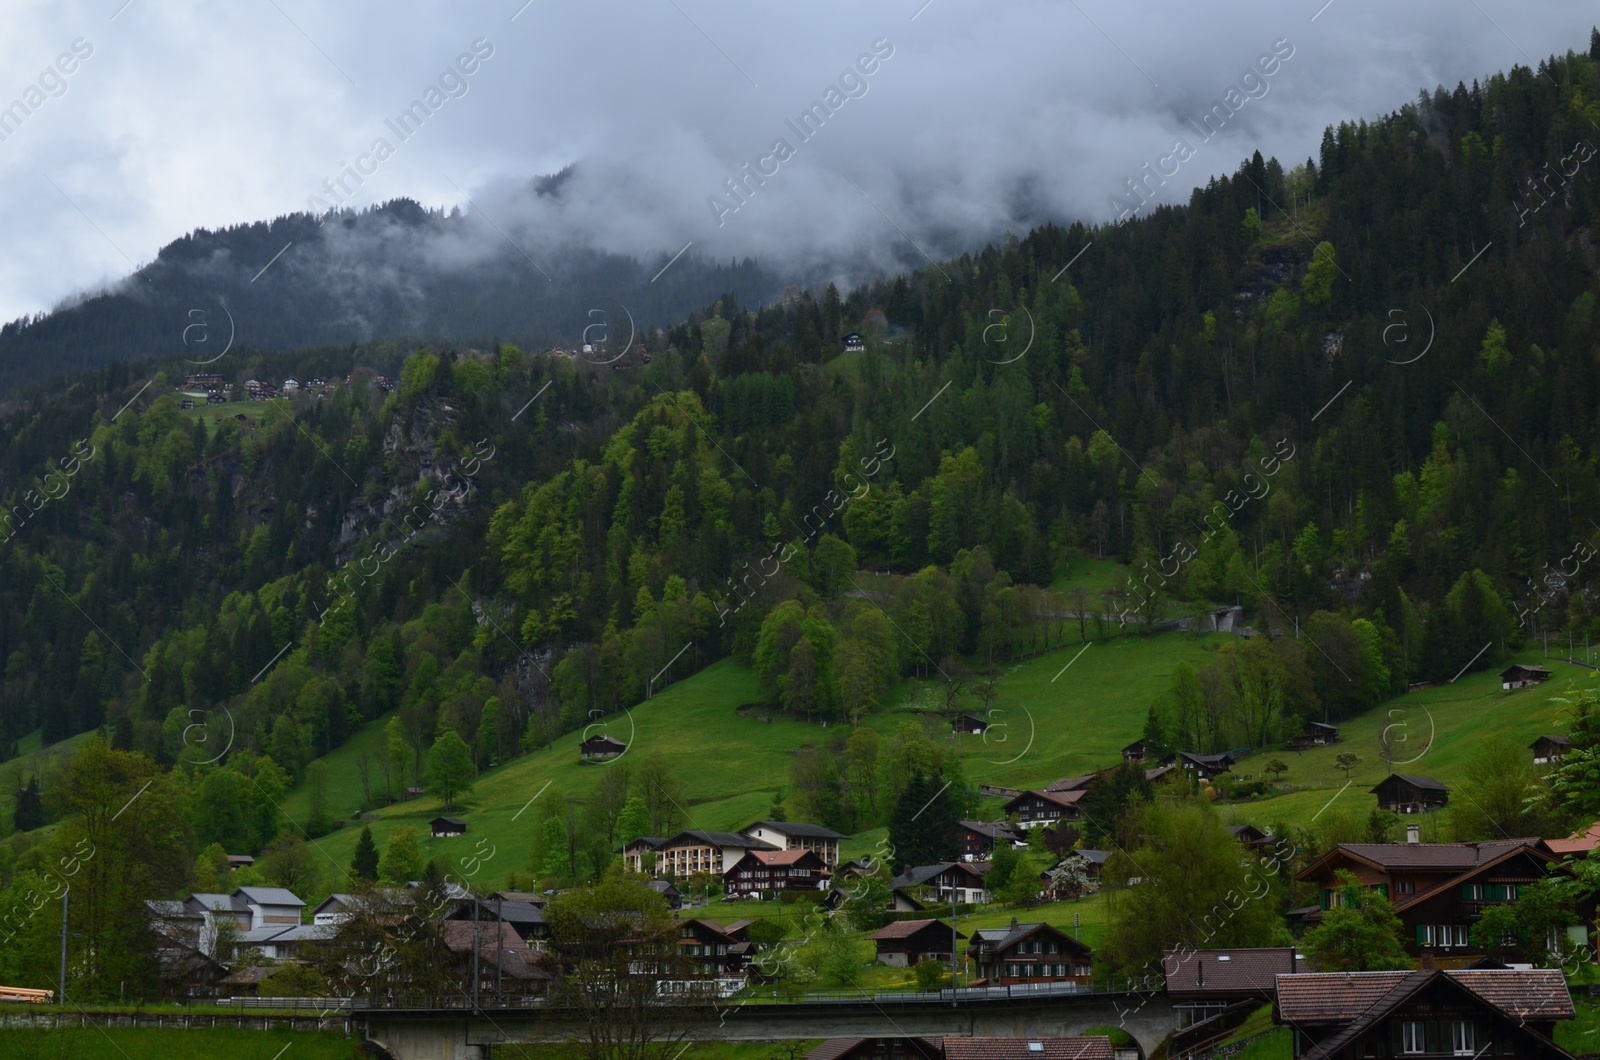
[124, 1043]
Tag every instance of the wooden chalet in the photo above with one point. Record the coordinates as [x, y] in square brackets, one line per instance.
[901, 902]
[1028, 953]
[763, 872]
[1548, 749]
[1205, 767]
[1134, 752]
[1033, 808]
[1080, 783]
[905, 943]
[1519, 676]
[1203, 983]
[797, 835]
[961, 881]
[600, 747]
[1316, 734]
[979, 838]
[1409, 793]
[444, 827]
[525, 918]
[711, 947]
[1430, 1012]
[1250, 836]
[853, 343]
[1439, 890]
[667, 890]
[968, 725]
[501, 959]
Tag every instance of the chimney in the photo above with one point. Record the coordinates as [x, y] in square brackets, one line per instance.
[1413, 833]
[1428, 963]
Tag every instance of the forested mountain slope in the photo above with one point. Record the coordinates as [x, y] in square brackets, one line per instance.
[451, 546]
[393, 271]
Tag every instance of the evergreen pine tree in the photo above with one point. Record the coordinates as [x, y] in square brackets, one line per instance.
[364, 866]
[30, 808]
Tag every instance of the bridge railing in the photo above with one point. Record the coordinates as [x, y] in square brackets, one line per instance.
[776, 996]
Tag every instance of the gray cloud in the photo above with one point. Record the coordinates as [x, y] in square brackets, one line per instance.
[203, 113]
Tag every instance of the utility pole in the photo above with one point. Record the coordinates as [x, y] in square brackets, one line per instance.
[62, 996]
[499, 951]
[474, 952]
[954, 975]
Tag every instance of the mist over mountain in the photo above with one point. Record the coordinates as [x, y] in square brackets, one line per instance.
[395, 271]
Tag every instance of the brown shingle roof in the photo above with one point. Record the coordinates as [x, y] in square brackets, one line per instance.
[1342, 997]
[1415, 780]
[1536, 993]
[903, 929]
[1326, 997]
[1094, 1047]
[1444, 857]
[1068, 799]
[1227, 972]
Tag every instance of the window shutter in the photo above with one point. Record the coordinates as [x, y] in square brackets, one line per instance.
[1432, 1035]
[1466, 891]
[1422, 934]
[1383, 889]
[1395, 1030]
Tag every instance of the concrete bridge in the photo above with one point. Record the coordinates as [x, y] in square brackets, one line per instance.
[459, 1034]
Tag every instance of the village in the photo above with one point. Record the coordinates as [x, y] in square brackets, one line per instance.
[248, 947]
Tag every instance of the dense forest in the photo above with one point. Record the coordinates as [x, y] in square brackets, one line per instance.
[389, 272]
[1356, 397]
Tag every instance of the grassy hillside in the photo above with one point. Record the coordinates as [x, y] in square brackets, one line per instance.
[1044, 727]
[1442, 727]
[1063, 713]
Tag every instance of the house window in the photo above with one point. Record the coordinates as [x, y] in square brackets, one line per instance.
[1011, 971]
[1462, 1039]
[1411, 1038]
[1405, 887]
[1472, 892]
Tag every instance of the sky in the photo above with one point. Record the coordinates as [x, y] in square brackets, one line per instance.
[132, 122]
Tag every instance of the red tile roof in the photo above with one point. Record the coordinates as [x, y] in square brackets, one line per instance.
[782, 857]
[1579, 842]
